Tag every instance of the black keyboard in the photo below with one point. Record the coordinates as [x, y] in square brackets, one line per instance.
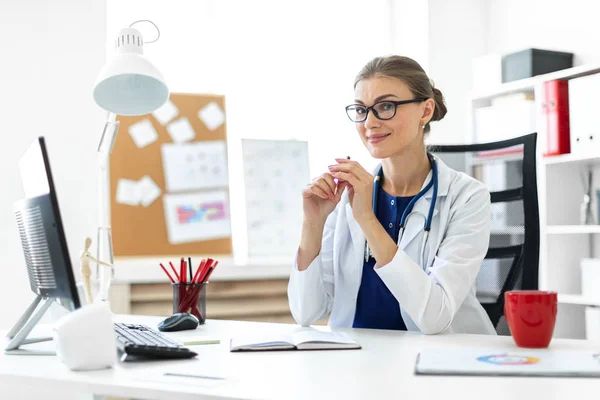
[139, 342]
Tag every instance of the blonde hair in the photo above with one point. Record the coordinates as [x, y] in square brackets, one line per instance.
[410, 72]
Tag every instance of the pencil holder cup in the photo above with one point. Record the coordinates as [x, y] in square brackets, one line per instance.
[190, 298]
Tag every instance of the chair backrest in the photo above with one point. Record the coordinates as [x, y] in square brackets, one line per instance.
[508, 169]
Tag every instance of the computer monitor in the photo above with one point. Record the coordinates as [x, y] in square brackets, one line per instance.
[44, 246]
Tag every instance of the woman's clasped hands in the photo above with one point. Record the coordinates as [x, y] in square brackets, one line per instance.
[323, 194]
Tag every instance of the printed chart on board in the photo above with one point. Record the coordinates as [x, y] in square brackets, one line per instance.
[275, 171]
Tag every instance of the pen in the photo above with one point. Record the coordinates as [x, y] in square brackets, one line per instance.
[190, 268]
[198, 271]
[182, 270]
[211, 271]
[167, 272]
[204, 270]
[336, 180]
[175, 271]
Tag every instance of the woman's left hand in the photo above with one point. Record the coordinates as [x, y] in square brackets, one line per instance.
[360, 190]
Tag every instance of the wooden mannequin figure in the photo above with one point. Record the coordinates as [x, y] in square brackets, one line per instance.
[86, 272]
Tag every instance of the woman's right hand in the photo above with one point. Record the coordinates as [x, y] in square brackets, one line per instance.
[320, 198]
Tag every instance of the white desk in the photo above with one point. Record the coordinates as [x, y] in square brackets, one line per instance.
[382, 369]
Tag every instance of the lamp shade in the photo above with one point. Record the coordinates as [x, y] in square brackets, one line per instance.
[129, 84]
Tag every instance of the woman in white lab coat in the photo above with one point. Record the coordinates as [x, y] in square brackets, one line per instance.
[354, 261]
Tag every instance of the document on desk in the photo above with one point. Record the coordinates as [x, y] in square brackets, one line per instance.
[517, 362]
[186, 378]
[301, 340]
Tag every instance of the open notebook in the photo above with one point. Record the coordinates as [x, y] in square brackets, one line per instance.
[300, 340]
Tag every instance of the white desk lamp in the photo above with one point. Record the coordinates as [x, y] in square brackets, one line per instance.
[128, 84]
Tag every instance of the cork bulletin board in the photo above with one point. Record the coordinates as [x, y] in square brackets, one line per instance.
[160, 203]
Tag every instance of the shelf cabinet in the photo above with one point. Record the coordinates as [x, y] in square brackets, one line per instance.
[563, 240]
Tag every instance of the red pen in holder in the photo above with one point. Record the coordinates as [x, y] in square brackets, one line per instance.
[190, 298]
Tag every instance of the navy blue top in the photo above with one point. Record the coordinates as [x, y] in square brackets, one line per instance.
[376, 306]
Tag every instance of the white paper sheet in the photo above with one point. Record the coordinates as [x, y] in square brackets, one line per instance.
[149, 191]
[143, 133]
[128, 192]
[212, 115]
[198, 165]
[166, 112]
[181, 130]
[274, 174]
[197, 216]
[509, 361]
[186, 377]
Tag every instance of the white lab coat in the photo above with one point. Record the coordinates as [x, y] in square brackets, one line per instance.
[437, 298]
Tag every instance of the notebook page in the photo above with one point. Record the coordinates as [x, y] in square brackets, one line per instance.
[257, 341]
[316, 336]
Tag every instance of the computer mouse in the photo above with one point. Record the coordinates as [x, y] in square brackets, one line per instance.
[179, 322]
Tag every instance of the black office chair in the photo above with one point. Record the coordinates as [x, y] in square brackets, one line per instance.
[508, 169]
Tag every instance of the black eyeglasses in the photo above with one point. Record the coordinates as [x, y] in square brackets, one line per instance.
[383, 110]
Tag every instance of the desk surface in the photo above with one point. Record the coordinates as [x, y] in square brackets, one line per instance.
[382, 369]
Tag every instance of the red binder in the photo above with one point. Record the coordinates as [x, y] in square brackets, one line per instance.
[556, 113]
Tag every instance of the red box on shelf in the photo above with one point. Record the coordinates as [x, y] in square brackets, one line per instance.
[555, 106]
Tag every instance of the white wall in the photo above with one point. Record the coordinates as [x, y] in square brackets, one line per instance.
[563, 25]
[51, 53]
[463, 29]
[286, 68]
[457, 33]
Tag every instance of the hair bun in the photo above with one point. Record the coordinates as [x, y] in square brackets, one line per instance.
[440, 106]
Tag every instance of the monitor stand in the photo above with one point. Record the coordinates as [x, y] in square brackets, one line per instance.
[18, 334]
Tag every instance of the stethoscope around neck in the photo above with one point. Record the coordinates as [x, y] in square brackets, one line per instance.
[433, 183]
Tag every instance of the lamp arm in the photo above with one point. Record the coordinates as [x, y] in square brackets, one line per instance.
[104, 254]
[107, 141]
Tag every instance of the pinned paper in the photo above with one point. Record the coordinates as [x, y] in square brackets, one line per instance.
[212, 116]
[149, 191]
[275, 171]
[181, 130]
[143, 133]
[197, 165]
[166, 112]
[197, 216]
[128, 192]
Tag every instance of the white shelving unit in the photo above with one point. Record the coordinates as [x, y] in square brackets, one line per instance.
[578, 300]
[572, 229]
[563, 242]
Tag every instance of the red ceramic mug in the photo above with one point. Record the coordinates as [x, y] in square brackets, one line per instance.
[531, 316]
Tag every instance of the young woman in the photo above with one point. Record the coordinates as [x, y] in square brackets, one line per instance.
[401, 249]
